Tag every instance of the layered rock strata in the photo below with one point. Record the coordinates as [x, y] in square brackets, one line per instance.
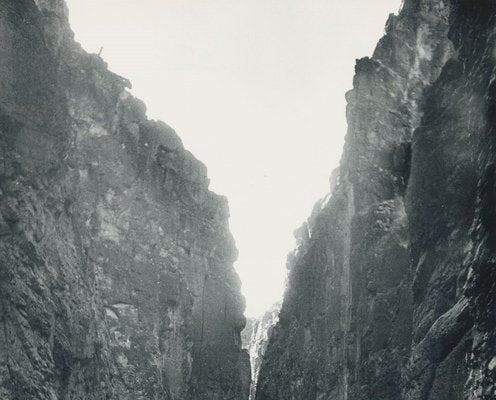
[116, 277]
[391, 288]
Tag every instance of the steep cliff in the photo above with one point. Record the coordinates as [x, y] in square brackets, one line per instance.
[116, 277]
[255, 338]
[391, 288]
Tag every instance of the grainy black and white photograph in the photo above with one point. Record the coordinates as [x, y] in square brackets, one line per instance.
[247, 200]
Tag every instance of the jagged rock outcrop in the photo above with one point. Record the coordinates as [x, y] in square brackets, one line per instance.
[255, 338]
[116, 277]
[391, 291]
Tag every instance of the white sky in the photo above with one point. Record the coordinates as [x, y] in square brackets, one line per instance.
[255, 89]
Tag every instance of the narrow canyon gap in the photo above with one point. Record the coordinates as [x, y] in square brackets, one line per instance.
[116, 261]
[255, 89]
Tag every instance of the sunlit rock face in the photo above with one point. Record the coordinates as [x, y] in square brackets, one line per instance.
[116, 278]
[255, 338]
[392, 287]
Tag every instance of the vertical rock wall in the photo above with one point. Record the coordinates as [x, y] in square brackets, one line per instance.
[116, 278]
[391, 288]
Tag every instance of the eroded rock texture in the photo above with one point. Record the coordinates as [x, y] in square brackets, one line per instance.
[392, 287]
[116, 278]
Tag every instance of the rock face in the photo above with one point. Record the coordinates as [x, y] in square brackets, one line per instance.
[255, 338]
[116, 277]
[392, 287]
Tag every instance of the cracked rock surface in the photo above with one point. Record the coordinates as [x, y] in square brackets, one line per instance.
[116, 277]
[392, 286]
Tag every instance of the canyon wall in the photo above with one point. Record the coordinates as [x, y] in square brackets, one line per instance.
[391, 291]
[116, 277]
